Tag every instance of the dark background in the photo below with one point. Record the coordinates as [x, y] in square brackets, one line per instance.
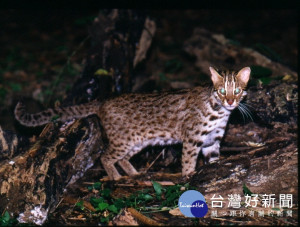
[38, 45]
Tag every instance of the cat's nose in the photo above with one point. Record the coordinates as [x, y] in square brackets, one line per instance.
[230, 101]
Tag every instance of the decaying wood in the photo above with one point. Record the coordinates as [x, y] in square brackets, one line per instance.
[33, 181]
[11, 144]
[142, 218]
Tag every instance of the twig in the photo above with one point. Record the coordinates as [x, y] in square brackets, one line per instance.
[77, 219]
[167, 175]
[125, 185]
[255, 150]
[146, 170]
[149, 183]
[234, 148]
[146, 183]
[142, 218]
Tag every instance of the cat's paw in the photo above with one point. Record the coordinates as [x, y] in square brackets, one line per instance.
[213, 160]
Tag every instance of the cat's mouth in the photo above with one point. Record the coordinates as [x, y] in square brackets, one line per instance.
[230, 105]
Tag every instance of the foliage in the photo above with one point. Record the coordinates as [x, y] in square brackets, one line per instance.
[158, 198]
[262, 74]
[7, 220]
[80, 205]
[258, 71]
[246, 190]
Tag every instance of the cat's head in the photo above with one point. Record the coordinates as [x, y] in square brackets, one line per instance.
[230, 86]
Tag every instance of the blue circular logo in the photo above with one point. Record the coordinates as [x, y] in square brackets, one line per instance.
[192, 204]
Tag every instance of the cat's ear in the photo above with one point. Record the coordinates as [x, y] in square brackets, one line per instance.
[244, 75]
[215, 76]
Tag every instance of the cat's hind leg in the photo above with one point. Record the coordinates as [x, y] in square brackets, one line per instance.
[127, 166]
[108, 161]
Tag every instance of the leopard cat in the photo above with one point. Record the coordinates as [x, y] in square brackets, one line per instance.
[195, 117]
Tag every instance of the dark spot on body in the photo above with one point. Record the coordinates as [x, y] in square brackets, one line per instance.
[173, 102]
[216, 106]
[199, 143]
[208, 145]
[204, 132]
[137, 118]
[212, 118]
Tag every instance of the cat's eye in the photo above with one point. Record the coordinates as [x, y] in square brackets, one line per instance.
[237, 91]
[222, 91]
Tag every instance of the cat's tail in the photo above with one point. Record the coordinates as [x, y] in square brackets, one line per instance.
[57, 113]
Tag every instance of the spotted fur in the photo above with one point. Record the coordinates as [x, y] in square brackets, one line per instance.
[195, 117]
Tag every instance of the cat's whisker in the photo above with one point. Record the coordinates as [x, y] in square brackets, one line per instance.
[245, 109]
[247, 112]
[241, 111]
[247, 104]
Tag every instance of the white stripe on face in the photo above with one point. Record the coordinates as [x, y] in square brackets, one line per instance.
[226, 81]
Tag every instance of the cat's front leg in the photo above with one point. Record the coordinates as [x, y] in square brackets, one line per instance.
[211, 152]
[190, 151]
